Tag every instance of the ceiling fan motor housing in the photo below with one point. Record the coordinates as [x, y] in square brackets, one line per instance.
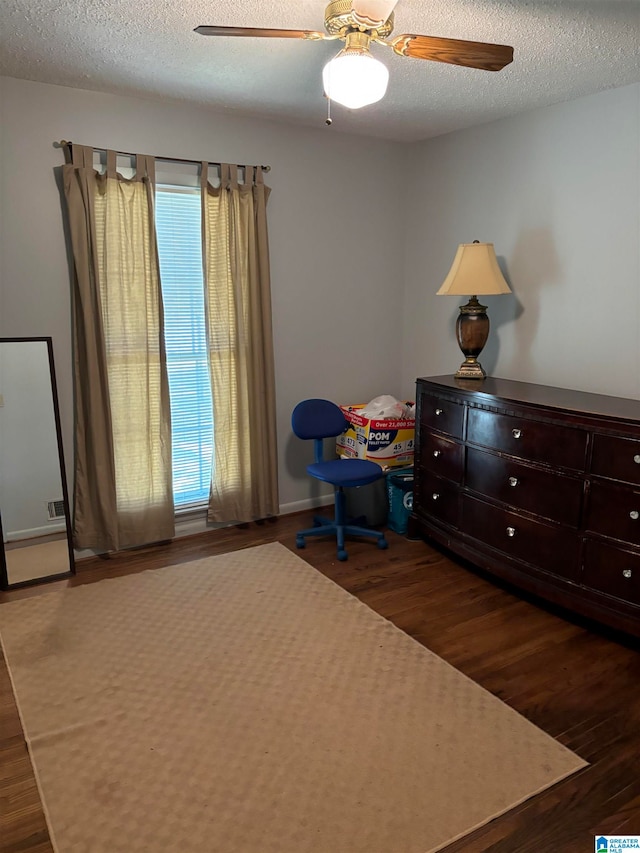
[339, 18]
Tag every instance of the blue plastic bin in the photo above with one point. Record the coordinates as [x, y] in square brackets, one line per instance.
[400, 494]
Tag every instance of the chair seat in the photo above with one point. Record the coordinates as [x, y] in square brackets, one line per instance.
[346, 472]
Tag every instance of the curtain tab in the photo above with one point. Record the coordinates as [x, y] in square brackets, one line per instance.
[146, 168]
[111, 163]
[204, 174]
[82, 156]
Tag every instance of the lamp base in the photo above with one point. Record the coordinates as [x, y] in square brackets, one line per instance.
[472, 331]
[470, 369]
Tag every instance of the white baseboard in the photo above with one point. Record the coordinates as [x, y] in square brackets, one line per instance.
[35, 532]
[308, 503]
[196, 522]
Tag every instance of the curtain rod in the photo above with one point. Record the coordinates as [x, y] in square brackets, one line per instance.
[68, 144]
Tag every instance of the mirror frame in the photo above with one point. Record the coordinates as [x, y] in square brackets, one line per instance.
[4, 578]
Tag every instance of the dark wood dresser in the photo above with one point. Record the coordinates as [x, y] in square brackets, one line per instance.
[537, 485]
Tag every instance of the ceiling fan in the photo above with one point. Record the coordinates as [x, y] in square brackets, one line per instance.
[354, 77]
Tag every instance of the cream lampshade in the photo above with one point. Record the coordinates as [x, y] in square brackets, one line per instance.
[474, 271]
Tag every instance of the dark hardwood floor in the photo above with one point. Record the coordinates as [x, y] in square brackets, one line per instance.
[575, 681]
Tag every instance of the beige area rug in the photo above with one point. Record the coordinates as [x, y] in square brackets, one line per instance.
[246, 704]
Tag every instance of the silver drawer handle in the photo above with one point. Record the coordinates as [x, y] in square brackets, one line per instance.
[513, 481]
[511, 531]
[516, 433]
[435, 496]
[436, 453]
[634, 514]
[439, 412]
[626, 573]
[636, 458]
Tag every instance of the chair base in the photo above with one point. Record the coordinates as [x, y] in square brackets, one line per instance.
[339, 527]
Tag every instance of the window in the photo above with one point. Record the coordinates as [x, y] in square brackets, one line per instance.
[178, 232]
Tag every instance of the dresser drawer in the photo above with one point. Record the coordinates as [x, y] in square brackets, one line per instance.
[541, 492]
[443, 415]
[436, 498]
[528, 439]
[550, 548]
[614, 511]
[612, 570]
[442, 456]
[616, 458]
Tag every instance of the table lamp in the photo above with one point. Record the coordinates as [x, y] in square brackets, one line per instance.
[475, 271]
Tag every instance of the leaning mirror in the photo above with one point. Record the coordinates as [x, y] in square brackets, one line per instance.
[34, 503]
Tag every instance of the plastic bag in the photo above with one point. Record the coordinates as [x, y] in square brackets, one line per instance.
[386, 406]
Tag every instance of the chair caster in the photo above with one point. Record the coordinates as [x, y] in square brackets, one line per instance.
[300, 543]
[382, 543]
[342, 555]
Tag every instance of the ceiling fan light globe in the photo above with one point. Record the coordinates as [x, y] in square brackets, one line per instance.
[355, 79]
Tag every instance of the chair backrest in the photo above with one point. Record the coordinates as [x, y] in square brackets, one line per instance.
[317, 419]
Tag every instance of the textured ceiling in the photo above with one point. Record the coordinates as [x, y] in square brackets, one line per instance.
[563, 50]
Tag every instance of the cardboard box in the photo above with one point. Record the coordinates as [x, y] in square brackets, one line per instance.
[387, 441]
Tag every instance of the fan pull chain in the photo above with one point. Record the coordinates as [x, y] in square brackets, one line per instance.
[329, 120]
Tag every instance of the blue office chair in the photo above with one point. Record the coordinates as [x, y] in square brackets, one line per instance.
[317, 420]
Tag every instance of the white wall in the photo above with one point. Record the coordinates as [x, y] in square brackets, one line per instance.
[358, 250]
[557, 190]
[335, 229]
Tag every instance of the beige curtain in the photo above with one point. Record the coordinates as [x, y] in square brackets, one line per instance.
[238, 308]
[123, 482]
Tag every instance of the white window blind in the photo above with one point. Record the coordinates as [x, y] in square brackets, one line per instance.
[180, 251]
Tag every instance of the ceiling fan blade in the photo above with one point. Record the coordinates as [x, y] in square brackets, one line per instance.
[471, 54]
[257, 32]
[373, 12]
